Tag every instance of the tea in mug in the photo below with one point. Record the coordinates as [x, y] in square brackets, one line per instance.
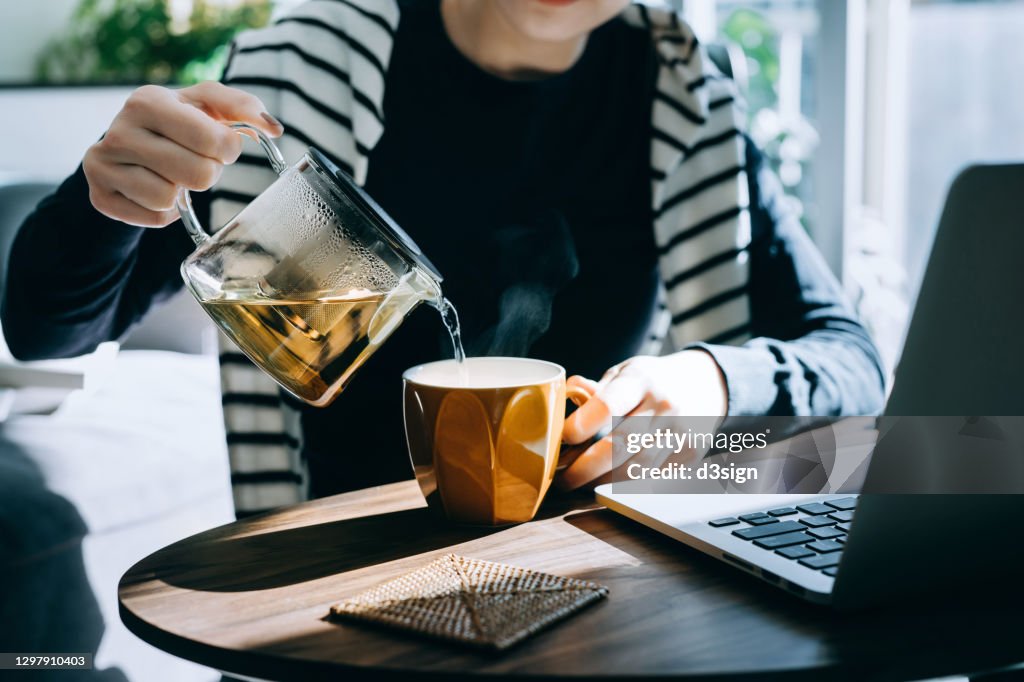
[484, 435]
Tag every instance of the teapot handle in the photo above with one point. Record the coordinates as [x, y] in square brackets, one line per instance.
[184, 199]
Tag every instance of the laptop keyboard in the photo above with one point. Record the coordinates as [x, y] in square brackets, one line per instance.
[810, 534]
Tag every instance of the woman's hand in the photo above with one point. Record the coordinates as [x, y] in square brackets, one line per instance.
[165, 139]
[688, 383]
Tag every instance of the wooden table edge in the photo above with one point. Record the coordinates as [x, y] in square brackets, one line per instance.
[280, 668]
[259, 665]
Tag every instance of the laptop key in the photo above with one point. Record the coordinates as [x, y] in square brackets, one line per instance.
[820, 561]
[832, 570]
[825, 546]
[844, 503]
[814, 508]
[753, 516]
[782, 511]
[779, 528]
[817, 521]
[844, 515]
[727, 521]
[823, 533]
[784, 540]
[844, 526]
[794, 552]
[763, 520]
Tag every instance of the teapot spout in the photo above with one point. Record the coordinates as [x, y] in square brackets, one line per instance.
[413, 288]
[427, 284]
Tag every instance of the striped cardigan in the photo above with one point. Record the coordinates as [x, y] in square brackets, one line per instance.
[322, 70]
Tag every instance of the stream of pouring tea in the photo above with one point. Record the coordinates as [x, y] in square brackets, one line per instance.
[450, 318]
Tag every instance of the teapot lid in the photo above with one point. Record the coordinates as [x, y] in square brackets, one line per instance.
[395, 235]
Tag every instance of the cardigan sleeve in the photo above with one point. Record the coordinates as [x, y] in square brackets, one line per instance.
[76, 278]
[810, 355]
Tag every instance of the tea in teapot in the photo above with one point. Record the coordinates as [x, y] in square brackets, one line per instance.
[311, 277]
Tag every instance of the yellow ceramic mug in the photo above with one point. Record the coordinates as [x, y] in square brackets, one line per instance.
[484, 438]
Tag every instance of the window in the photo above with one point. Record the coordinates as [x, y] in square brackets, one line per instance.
[868, 109]
[776, 70]
[964, 104]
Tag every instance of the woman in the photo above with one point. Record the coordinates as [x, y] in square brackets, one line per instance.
[575, 168]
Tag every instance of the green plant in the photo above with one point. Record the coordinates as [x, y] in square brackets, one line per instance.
[787, 142]
[135, 41]
[756, 35]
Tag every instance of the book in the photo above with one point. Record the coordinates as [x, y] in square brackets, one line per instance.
[41, 386]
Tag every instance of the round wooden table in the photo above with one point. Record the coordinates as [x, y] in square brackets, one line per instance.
[250, 599]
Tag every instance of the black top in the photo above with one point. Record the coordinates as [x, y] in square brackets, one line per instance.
[533, 200]
[526, 196]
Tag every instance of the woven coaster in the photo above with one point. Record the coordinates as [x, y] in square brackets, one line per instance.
[467, 600]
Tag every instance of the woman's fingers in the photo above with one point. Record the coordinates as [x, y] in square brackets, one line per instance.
[577, 381]
[578, 429]
[595, 461]
[178, 136]
[222, 104]
[586, 421]
[231, 104]
[115, 205]
[144, 187]
[617, 394]
[169, 115]
[171, 161]
[649, 387]
[131, 194]
[598, 459]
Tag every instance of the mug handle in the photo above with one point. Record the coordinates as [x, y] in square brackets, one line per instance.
[184, 199]
[577, 394]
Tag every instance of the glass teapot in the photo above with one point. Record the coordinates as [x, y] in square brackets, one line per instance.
[310, 278]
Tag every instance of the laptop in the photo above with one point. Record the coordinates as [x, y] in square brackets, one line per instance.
[962, 355]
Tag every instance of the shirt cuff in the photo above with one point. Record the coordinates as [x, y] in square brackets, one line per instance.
[93, 233]
[749, 377]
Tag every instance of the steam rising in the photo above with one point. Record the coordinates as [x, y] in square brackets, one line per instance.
[535, 260]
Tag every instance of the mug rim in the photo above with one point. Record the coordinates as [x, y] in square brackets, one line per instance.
[559, 374]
